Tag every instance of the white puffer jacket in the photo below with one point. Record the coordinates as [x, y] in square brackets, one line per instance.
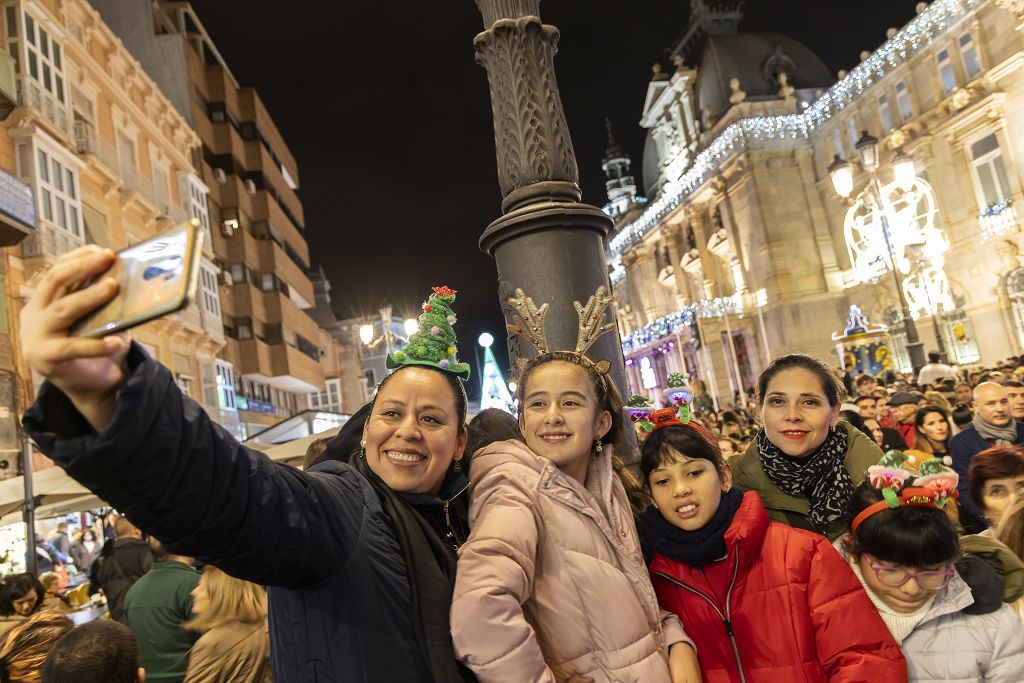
[950, 646]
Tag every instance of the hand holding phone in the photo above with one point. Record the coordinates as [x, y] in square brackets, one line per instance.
[154, 277]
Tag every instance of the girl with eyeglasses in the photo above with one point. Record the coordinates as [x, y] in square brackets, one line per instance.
[903, 546]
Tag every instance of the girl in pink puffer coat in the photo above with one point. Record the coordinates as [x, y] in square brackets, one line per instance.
[551, 585]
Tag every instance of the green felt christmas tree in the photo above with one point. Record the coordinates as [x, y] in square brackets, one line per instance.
[434, 343]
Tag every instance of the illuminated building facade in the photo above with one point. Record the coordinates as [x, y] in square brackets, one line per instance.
[744, 250]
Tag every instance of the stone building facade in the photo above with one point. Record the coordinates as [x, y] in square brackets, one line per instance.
[109, 162]
[744, 250]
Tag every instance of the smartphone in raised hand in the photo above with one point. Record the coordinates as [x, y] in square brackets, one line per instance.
[154, 277]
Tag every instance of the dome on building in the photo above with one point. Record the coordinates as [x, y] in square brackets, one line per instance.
[756, 59]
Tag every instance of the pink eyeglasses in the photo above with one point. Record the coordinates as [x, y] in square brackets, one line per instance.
[929, 579]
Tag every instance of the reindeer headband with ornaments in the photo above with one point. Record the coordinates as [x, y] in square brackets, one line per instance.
[528, 323]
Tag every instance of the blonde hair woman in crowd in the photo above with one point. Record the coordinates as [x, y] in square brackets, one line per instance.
[232, 616]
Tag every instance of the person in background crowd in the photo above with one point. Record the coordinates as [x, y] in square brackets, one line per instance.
[47, 555]
[995, 481]
[904, 407]
[934, 370]
[1015, 394]
[499, 425]
[1011, 533]
[314, 451]
[155, 609]
[963, 393]
[992, 425]
[934, 398]
[21, 596]
[120, 564]
[805, 461]
[866, 406]
[50, 581]
[718, 560]
[885, 438]
[97, 652]
[60, 540]
[932, 431]
[85, 550]
[552, 529]
[961, 416]
[904, 556]
[728, 447]
[231, 614]
[865, 385]
[23, 652]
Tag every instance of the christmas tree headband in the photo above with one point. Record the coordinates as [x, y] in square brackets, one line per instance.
[434, 342]
[934, 486]
[528, 323]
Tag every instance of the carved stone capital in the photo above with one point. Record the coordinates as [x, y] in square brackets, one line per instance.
[531, 136]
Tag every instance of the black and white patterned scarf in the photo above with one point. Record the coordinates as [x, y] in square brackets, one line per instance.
[820, 477]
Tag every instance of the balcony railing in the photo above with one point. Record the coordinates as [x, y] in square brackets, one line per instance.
[88, 141]
[49, 241]
[997, 219]
[33, 96]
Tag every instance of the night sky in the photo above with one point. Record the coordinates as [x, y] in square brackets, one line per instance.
[389, 119]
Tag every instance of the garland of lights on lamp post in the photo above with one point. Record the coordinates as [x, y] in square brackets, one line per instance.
[893, 227]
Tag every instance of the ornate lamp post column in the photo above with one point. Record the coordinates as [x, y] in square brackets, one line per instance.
[546, 242]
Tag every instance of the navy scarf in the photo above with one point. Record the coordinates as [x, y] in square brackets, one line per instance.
[695, 548]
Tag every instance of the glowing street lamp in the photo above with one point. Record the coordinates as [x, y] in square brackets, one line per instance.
[903, 170]
[841, 172]
[388, 337]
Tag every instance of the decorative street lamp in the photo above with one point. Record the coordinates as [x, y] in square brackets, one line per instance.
[546, 241]
[908, 204]
[388, 337]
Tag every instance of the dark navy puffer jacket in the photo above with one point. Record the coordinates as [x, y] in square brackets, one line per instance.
[340, 601]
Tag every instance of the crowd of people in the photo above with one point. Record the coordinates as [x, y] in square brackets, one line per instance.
[766, 542]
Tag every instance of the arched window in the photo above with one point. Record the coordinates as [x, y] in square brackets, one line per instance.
[1015, 293]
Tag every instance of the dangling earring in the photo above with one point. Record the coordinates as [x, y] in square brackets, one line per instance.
[362, 448]
[456, 466]
[598, 447]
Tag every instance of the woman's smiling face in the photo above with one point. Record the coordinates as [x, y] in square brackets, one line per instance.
[412, 434]
[797, 416]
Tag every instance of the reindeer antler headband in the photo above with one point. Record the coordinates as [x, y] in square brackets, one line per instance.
[528, 322]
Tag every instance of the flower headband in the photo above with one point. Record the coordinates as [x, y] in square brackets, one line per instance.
[935, 486]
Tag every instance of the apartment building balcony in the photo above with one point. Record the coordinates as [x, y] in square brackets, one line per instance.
[49, 241]
[998, 219]
[8, 85]
[90, 144]
[54, 112]
[280, 364]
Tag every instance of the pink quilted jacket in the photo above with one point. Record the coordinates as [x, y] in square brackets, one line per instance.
[551, 583]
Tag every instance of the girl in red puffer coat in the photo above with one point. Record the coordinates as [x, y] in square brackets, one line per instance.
[763, 602]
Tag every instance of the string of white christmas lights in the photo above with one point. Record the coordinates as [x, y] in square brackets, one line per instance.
[921, 31]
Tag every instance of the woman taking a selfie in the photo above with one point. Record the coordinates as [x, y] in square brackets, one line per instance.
[804, 462]
[359, 552]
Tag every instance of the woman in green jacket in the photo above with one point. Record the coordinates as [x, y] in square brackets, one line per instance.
[805, 462]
